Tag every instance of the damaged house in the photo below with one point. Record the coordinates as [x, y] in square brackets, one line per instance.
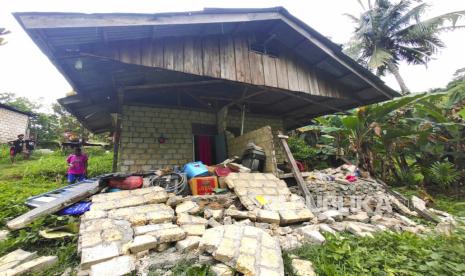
[178, 87]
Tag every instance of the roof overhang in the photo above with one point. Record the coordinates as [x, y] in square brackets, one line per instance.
[61, 36]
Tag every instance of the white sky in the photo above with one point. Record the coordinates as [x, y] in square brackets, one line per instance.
[24, 70]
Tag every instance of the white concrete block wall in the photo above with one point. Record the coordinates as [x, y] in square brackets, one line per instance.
[12, 124]
[142, 125]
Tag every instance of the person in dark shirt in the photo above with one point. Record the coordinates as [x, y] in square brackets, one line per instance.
[29, 147]
[16, 147]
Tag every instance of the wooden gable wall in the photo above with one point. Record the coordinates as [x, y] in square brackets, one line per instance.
[225, 57]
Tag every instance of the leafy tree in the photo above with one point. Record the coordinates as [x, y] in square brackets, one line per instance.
[387, 33]
[67, 122]
[409, 140]
[3, 32]
[21, 103]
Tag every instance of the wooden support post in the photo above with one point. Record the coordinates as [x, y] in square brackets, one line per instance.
[242, 119]
[116, 140]
[295, 170]
[221, 119]
[117, 129]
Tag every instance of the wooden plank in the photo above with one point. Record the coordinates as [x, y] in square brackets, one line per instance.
[241, 52]
[146, 53]
[211, 57]
[168, 54]
[256, 66]
[178, 50]
[292, 75]
[269, 70]
[302, 78]
[114, 52]
[189, 55]
[130, 52]
[198, 56]
[54, 206]
[281, 73]
[227, 58]
[157, 53]
[313, 82]
[295, 170]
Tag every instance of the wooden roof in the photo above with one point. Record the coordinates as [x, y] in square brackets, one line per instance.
[67, 37]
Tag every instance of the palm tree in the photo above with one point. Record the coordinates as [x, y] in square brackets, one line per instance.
[3, 31]
[387, 33]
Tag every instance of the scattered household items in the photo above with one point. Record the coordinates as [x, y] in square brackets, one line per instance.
[222, 172]
[194, 169]
[172, 182]
[260, 149]
[20, 262]
[203, 185]
[76, 209]
[126, 183]
[238, 168]
[68, 230]
[254, 158]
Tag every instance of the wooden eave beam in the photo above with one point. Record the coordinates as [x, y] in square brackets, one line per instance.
[294, 94]
[171, 85]
[50, 21]
[228, 99]
[242, 99]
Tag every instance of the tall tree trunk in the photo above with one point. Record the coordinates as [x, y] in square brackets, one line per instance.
[395, 71]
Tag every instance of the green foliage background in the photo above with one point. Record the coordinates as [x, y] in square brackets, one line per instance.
[27, 178]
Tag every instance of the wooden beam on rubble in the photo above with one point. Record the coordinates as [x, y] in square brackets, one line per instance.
[297, 174]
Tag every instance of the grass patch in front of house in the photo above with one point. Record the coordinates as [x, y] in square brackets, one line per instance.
[25, 178]
[386, 254]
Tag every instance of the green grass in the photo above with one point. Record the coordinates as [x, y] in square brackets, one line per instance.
[386, 254]
[26, 178]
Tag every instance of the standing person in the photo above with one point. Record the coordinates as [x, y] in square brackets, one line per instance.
[77, 163]
[29, 147]
[16, 147]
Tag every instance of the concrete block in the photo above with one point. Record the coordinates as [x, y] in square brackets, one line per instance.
[143, 242]
[15, 258]
[115, 267]
[188, 244]
[98, 254]
[31, 266]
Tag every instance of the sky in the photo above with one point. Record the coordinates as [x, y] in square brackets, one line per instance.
[26, 71]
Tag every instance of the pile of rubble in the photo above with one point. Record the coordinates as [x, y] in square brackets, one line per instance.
[243, 230]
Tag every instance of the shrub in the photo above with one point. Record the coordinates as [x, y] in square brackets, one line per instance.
[443, 173]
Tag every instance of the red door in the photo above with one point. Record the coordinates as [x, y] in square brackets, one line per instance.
[204, 149]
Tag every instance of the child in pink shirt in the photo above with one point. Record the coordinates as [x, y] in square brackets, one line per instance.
[77, 163]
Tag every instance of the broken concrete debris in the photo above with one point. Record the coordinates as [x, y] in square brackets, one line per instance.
[122, 265]
[4, 234]
[20, 262]
[15, 258]
[148, 229]
[247, 249]
[302, 267]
